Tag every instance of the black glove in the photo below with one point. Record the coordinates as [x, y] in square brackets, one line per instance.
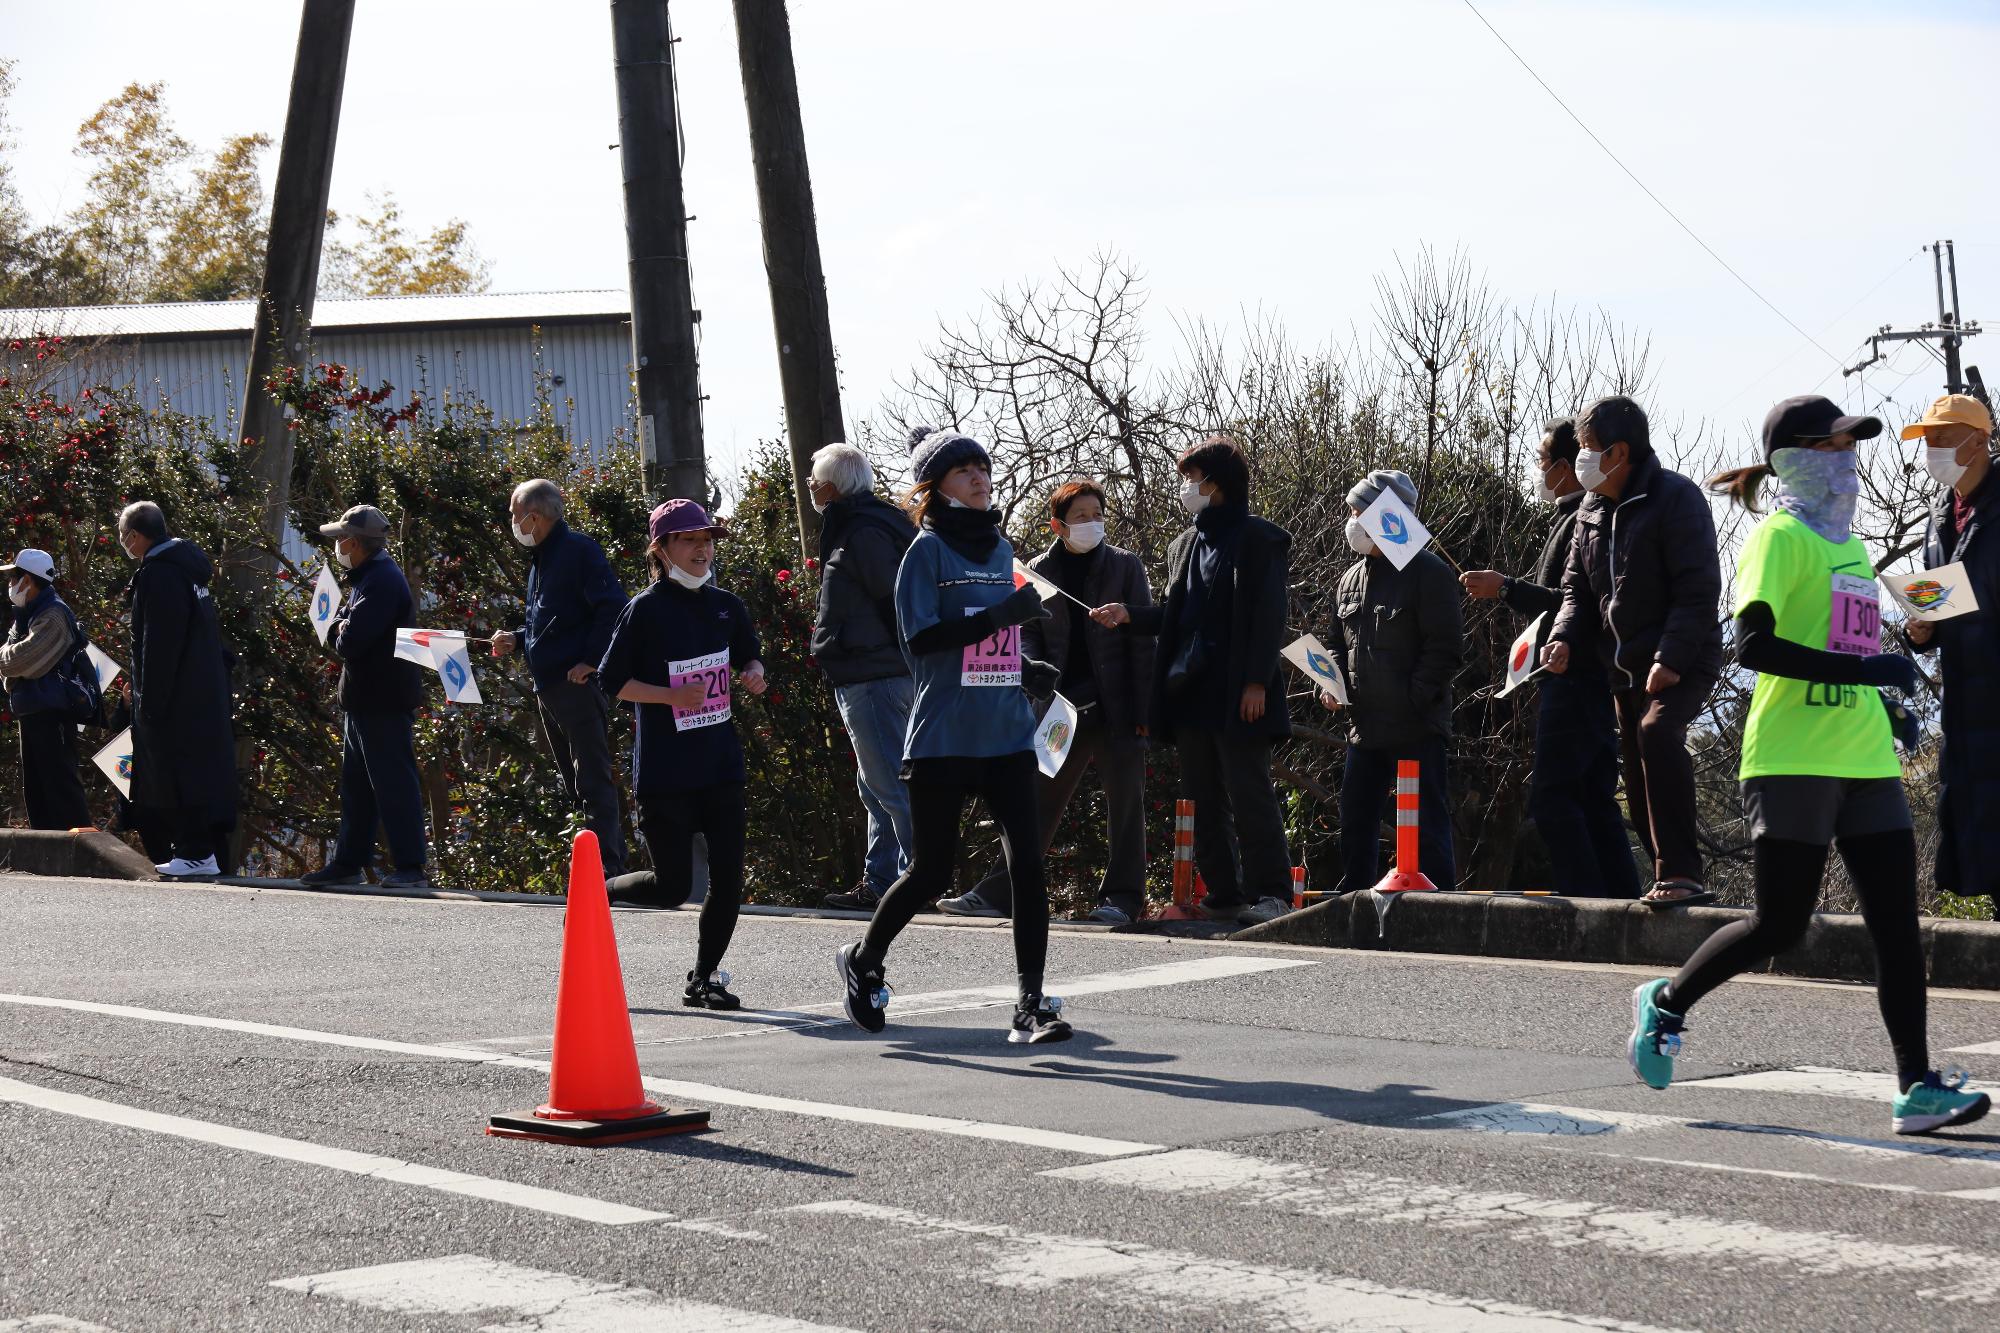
[1903, 725]
[1890, 671]
[1021, 606]
[1039, 678]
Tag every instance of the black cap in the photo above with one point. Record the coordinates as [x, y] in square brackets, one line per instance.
[1811, 419]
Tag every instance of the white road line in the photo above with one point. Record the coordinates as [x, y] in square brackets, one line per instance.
[337, 1159]
[1811, 1081]
[1173, 1285]
[50, 1323]
[676, 1089]
[1540, 1118]
[468, 1284]
[1308, 1191]
[1983, 1048]
[1219, 968]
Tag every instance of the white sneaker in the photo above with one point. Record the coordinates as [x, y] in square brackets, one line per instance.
[182, 868]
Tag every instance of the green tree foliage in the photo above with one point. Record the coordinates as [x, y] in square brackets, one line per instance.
[160, 222]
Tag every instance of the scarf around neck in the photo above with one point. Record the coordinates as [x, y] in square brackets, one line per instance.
[973, 533]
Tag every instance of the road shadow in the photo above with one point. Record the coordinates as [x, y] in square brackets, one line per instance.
[709, 1148]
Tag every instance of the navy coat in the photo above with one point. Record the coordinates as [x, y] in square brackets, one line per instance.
[1968, 857]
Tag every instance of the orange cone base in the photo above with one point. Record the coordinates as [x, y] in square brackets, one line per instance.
[1404, 881]
[1175, 912]
[598, 1133]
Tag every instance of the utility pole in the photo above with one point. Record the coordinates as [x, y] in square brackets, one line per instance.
[291, 259]
[663, 313]
[799, 315]
[1949, 332]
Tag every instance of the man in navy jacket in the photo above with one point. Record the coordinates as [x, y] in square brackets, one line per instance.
[379, 693]
[574, 600]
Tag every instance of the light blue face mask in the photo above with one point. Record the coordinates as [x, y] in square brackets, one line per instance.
[1820, 488]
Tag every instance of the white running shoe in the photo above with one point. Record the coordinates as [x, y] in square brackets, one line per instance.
[182, 868]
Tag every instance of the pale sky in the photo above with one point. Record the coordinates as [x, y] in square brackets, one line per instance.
[1249, 156]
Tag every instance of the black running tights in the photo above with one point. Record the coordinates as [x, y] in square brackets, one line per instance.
[938, 791]
[1883, 867]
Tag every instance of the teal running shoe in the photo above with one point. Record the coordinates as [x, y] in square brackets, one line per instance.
[1939, 1101]
[1656, 1036]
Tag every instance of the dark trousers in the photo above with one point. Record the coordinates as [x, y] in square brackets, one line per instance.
[1366, 784]
[1239, 832]
[667, 825]
[1121, 766]
[379, 788]
[576, 720]
[938, 792]
[49, 778]
[1659, 772]
[1574, 795]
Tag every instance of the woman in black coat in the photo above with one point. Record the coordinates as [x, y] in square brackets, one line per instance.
[183, 752]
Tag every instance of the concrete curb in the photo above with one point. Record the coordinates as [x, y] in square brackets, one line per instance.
[91, 854]
[1962, 955]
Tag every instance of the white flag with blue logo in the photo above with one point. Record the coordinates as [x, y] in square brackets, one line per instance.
[454, 667]
[115, 760]
[326, 597]
[107, 670]
[1395, 530]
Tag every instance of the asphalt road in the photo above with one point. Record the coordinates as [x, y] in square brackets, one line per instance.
[226, 1108]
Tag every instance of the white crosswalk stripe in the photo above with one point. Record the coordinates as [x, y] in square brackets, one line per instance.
[50, 1323]
[1310, 1191]
[1190, 1289]
[538, 1300]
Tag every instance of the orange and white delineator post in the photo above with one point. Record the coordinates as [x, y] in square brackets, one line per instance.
[1406, 877]
[1182, 908]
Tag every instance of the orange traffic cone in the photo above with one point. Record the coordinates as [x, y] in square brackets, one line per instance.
[1406, 877]
[595, 1096]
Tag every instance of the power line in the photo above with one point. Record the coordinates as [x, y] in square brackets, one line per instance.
[1830, 326]
[1643, 186]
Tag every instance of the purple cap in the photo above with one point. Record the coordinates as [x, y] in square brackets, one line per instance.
[683, 516]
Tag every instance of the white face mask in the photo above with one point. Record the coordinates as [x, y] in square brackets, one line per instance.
[20, 594]
[1084, 537]
[340, 553]
[1943, 465]
[685, 579]
[1357, 536]
[1543, 491]
[819, 506]
[525, 538]
[1590, 469]
[1192, 499]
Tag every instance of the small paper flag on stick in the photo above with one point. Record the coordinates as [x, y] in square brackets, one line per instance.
[1932, 594]
[107, 670]
[115, 760]
[1396, 531]
[1054, 736]
[1309, 655]
[1045, 585]
[1521, 664]
[326, 598]
[454, 666]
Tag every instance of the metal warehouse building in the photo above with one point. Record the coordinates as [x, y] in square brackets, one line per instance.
[194, 355]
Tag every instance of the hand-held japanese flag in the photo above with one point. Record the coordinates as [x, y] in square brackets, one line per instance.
[1521, 664]
[107, 670]
[1309, 655]
[115, 760]
[326, 597]
[1047, 587]
[1394, 528]
[1932, 594]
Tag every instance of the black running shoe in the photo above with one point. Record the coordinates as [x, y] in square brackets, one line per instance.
[1038, 1019]
[865, 993]
[860, 898]
[708, 992]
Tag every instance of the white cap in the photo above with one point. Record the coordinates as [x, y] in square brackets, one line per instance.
[31, 561]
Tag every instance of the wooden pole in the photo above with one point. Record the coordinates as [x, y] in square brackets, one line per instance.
[799, 317]
[291, 259]
[663, 313]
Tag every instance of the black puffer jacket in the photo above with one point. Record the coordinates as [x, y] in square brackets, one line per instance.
[183, 753]
[862, 539]
[1400, 637]
[1644, 583]
[1968, 856]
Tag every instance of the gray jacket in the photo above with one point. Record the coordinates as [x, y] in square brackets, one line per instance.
[1121, 662]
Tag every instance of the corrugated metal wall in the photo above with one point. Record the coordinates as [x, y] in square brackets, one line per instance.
[203, 376]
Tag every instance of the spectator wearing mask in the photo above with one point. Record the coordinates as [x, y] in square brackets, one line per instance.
[862, 538]
[1106, 676]
[1957, 432]
[1218, 683]
[1642, 589]
[1399, 638]
[379, 695]
[574, 598]
[183, 751]
[672, 655]
[1573, 797]
[36, 661]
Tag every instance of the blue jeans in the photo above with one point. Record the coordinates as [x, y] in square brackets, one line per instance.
[1574, 795]
[1366, 785]
[876, 714]
[379, 787]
